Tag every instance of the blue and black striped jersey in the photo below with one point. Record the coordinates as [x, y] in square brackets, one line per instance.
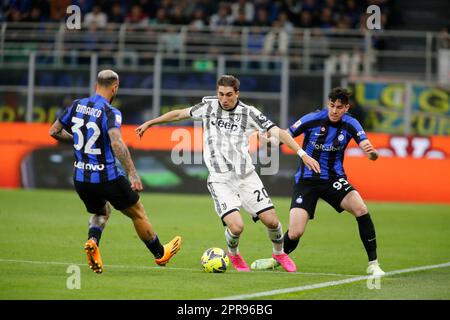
[89, 120]
[326, 142]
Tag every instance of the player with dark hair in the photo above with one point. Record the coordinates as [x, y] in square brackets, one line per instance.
[327, 133]
[93, 126]
[232, 181]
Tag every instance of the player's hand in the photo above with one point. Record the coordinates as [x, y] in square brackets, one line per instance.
[141, 129]
[263, 138]
[371, 152]
[373, 155]
[136, 183]
[311, 163]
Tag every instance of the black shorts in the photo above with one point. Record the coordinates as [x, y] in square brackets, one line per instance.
[307, 192]
[118, 192]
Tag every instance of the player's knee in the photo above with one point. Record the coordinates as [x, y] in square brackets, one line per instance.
[105, 211]
[270, 219]
[360, 210]
[236, 228]
[295, 234]
[273, 224]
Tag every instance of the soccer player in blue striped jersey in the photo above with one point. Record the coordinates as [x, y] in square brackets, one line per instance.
[92, 125]
[327, 133]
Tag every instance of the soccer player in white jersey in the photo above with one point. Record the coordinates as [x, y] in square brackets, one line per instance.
[233, 182]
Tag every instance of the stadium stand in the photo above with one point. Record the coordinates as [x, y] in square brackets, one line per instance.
[307, 32]
[246, 37]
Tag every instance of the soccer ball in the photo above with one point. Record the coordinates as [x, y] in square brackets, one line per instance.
[214, 260]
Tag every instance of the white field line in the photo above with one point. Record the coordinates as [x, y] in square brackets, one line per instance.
[165, 268]
[327, 284]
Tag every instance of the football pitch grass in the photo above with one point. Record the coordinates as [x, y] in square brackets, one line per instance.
[42, 233]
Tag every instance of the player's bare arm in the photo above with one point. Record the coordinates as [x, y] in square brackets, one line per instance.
[171, 116]
[123, 154]
[58, 132]
[369, 150]
[287, 139]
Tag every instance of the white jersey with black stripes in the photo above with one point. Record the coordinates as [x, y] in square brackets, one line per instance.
[226, 134]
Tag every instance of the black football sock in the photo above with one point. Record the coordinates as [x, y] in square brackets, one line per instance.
[155, 247]
[95, 233]
[367, 234]
[289, 245]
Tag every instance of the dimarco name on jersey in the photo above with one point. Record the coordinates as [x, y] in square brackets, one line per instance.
[89, 111]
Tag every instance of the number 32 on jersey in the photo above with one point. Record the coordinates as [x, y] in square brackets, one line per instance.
[77, 125]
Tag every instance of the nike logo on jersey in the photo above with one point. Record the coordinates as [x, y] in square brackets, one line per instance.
[318, 134]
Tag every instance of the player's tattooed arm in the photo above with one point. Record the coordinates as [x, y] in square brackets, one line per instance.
[123, 154]
[58, 132]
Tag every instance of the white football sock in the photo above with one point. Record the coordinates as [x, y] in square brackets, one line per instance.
[276, 236]
[232, 241]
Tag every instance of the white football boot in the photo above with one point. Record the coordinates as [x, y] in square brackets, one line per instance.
[264, 264]
[374, 269]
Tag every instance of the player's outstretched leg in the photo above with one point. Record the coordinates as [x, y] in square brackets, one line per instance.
[147, 234]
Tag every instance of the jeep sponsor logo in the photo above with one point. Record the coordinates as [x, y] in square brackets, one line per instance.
[88, 166]
[225, 124]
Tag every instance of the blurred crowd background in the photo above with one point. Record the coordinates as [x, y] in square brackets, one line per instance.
[325, 14]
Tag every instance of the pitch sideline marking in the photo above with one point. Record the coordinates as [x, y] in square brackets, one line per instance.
[166, 268]
[328, 284]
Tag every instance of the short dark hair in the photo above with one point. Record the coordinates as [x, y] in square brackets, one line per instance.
[106, 78]
[340, 94]
[228, 81]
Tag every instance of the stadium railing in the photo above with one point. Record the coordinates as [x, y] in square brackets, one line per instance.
[45, 64]
[410, 52]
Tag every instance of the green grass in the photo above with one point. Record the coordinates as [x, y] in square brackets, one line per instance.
[48, 229]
